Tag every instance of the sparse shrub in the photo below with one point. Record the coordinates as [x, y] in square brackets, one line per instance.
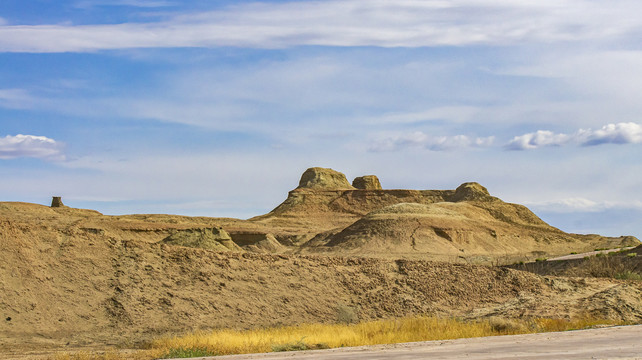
[298, 345]
[599, 255]
[188, 352]
[631, 254]
[294, 346]
[506, 326]
[347, 314]
[628, 275]
[540, 259]
[603, 266]
[573, 252]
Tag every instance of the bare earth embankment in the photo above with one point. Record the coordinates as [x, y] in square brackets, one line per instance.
[75, 278]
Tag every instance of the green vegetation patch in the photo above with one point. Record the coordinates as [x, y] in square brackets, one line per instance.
[182, 352]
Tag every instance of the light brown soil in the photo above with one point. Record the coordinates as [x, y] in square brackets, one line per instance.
[77, 278]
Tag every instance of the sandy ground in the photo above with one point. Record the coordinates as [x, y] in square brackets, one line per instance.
[620, 342]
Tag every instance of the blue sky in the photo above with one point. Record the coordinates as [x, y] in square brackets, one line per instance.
[216, 107]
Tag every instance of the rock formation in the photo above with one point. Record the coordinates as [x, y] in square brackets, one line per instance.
[367, 182]
[466, 223]
[57, 202]
[257, 242]
[470, 191]
[208, 238]
[322, 178]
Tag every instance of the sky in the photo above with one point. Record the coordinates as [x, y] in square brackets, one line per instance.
[215, 108]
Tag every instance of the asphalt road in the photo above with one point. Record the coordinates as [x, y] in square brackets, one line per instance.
[620, 342]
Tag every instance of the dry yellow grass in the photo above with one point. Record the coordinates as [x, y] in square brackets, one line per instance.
[315, 336]
[223, 342]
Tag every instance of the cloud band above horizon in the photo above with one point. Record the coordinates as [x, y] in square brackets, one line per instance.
[408, 23]
[621, 133]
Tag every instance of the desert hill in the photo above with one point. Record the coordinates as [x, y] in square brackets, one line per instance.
[327, 215]
[78, 277]
[465, 224]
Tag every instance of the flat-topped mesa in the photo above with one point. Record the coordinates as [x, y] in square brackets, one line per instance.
[324, 179]
[367, 182]
[326, 196]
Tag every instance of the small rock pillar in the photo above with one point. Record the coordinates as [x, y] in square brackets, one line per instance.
[57, 202]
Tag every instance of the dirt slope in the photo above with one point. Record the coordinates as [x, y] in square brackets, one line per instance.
[461, 231]
[78, 277]
[73, 276]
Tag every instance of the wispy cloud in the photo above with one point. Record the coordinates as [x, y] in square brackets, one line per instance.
[620, 133]
[420, 139]
[579, 204]
[12, 147]
[451, 113]
[85, 4]
[15, 98]
[537, 139]
[407, 23]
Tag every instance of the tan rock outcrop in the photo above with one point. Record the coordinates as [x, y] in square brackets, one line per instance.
[257, 242]
[470, 191]
[367, 182]
[56, 201]
[214, 238]
[322, 178]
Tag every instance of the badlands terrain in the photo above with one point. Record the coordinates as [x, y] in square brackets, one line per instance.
[73, 278]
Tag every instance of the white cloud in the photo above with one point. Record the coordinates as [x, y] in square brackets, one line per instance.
[407, 23]
[15, 98]
[620, 133]
[579, 204]
[537, 139]
[30, 146]
[434, 143]
[85, 4]
[567, 205]
[450, 113]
